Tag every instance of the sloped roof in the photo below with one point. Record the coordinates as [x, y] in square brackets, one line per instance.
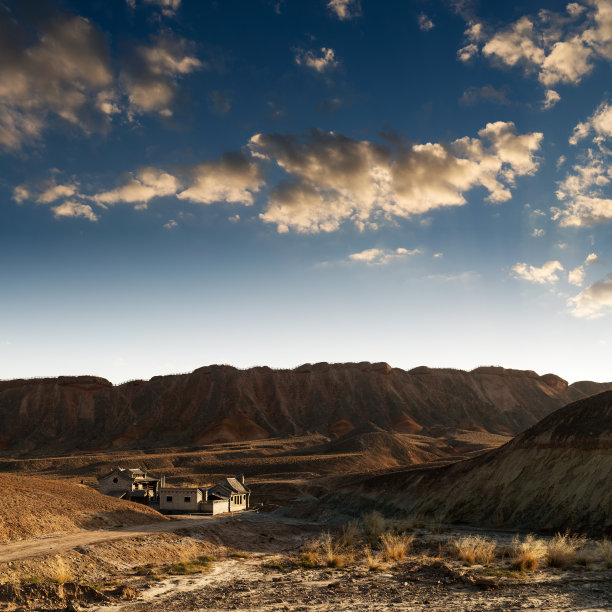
[131, 473]
[228, 487]
[117, 494]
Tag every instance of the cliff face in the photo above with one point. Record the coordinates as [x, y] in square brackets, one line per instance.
[222, 403]
[557, 475]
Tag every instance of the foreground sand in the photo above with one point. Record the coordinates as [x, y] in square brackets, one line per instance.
[253, 567]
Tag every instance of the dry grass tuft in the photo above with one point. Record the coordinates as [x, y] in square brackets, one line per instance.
[562, 550]
[58, 571]
[374, 524]
[474, 549]
[528, 555]
[373, 560]
[395, 547]
[603, 550]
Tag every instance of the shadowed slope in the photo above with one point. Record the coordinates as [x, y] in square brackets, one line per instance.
[556, 475]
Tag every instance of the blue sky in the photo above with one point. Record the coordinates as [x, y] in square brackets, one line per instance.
[273, 182]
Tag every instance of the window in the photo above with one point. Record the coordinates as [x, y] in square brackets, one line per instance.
[115, 480]
[169, 498]
[187, 500]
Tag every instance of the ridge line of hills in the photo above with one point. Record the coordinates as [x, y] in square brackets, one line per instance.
[217, 404]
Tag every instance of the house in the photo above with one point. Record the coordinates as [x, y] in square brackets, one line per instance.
[181, 499]
[134, 484]
[230, 491]
[230, 495]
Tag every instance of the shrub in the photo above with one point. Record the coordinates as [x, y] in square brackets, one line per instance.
[374, 524]
[373, 560]
[603, 550]
[395, 546]
[561, 550]
[528, 554]
[474, 549]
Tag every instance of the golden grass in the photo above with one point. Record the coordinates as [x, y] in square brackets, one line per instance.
[374, 524]
[562, 550]
[474, 549]
[395, 546]
[603, 550]
[528, 554]
[58, 571]
[373, 560]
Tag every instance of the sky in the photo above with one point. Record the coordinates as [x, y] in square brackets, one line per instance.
[276, 182]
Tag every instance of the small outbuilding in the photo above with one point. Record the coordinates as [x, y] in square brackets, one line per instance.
[134, 484]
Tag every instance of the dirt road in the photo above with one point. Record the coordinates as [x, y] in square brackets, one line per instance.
[25, 549]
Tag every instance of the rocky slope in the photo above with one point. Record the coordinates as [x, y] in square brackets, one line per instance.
[557, 475]
[222, 403]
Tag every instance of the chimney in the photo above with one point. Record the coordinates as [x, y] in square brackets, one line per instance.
[240, 478]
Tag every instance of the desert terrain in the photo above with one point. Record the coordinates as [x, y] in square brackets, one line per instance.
[372, 488]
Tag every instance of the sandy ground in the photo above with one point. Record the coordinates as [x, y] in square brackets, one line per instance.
[248, 585]
[262, 578]
[47, 545]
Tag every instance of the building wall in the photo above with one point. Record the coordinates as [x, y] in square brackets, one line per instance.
[238, 502]
[107, 484]
[215, 506]
[185, 499]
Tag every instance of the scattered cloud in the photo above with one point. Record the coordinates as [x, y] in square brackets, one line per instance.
[599, 122]
[324, 62]
[545, 275]
[345, 9]
[151, 74]
[74, 209]
[234, 218]
[234, 178]
[593, 301]
[331, 178]
[425, 23]
[381, 257]
[486, 93]
[141, 187]
[592, 259]
[552, 97]
[438, 255]
[576, 276]
[537, 233]
[557, 47]
[167, 7]
[171, 224]
[64, 73]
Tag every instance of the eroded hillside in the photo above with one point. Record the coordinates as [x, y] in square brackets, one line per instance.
[224, 404]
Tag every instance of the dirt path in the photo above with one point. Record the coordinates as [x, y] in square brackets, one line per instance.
[25, 549]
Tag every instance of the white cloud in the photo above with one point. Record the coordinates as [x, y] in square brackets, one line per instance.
[465, 54]
[576, 276]
[552, 97]
[56, 192]
[74, 209]
[545, 275]
[332, 178]
[593, 301]
[599, 122]
[151, 75]
[558, 47]
[171, 224]
[234, 178]
[167, 7]
[381, 257]
[425, 23]
[592, 259]
[321, 63]
[21, 193]
[538, 233]
[345, 9]
[63, 73]
[146, 184]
